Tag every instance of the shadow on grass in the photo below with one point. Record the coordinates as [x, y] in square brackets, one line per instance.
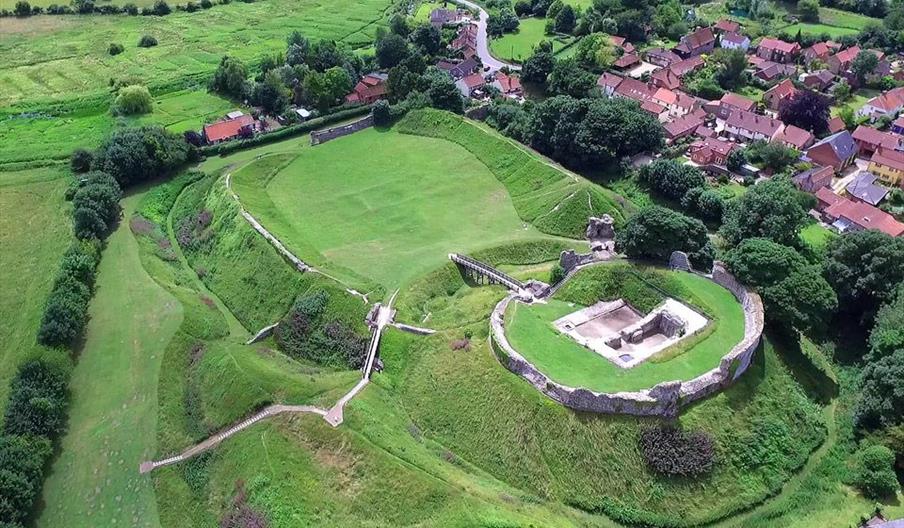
[817, 384]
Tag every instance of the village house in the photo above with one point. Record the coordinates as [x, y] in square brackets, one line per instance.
[813, 179]
[885, 104]
[850, 215]
[369, 89]
[841, 61]
[466, 41]
[733, 40]
[751, 127]
[655, 109]
[775, 50]
[683, 126]
[444, 17]
[696, 43]
[508, 85]
[608, 82]
[711, 151]
[633, 89]
[836, 124]
[897, 126]
[731, 102]
[622, 42]
[778, 93]
[795, 137]
[769, 71]
[837, 151]
[459, 69]
[869, 140]
[241, 125]
[819, 51]
[888, 165]
[469, 84]
[863, 188]
[665, 78]
[626, 61]
[662, 57]
[726, 26]
[676, 102]
[687, 66]
[819, 80]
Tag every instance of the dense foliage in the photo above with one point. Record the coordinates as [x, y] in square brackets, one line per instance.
[770, 210]
[806, 109]
[136, 154]
[670, 178]
[308, 331]
[673, 452]
[655, 232]
[132, 100]
[875, 475]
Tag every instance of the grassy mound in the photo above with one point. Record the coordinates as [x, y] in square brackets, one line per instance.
[495, 421]
[553, 200]
[530, 330]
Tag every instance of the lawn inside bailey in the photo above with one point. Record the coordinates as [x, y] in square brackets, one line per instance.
[530, 331]
[388, 218]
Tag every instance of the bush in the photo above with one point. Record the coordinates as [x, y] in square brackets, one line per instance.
[115, 48]
[556, 274]
[80, 161]
[670, 178]
[147, 41]
[875, 476]
[670, 451]
[133, 155]
[132, 100]
[37, 400]
[161, 8]
[382, 113]
[308, 332]
[22, 459]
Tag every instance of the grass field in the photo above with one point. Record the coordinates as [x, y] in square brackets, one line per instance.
[112, 417]
[816, 236]
[34, 233]
[29, 138]
[520, 45]
[392, 219]
[530, 331]
[65, 57]
[422, 15]
[819, 29]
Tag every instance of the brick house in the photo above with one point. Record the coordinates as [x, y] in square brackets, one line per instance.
[820, 51]
[696, 43]
[794, 137]
[869, 140]
[662, 57]
[731, 102]
[228, 129]
[369, 89]
[888, 165]
[665, 78]
[841, 61]
[711, 151]
[776, 50]
[885, 104]
[683, 126]
[778, 93]
[850, 215]
[811, 180]
[751, 127]
[837, 151]
[819, 80]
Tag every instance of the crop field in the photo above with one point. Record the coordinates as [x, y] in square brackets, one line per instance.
[34, 233]
[35, 137]
[66, 58]
[530, 331]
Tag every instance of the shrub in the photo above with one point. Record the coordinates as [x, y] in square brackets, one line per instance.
[132, 100]
[161, 8]
[671, 178]
[37, 400]
[132, 155]
[80, 161]
[147, 41]
[22, 9]
[875, 476]
[131, 9]
[556, 274]
[115, 48]
[673, 452]
[382, 113]
[306, 332]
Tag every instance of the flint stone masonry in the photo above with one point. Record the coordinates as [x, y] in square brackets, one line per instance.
[600, 228]
[679, 261]
[322, 136]
[664, 399]
[569, 259]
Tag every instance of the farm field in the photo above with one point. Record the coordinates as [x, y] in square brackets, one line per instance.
[34, 234]
[53, 58]
[530, 331]
[26, 138]
[392, 219]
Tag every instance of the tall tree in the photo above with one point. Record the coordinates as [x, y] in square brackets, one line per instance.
[770, 210]
[864, 64]
[806, 109]
[391, 50]
[230, 78]
[655, 232]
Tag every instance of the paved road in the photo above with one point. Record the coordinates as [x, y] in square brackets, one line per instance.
[483, 47]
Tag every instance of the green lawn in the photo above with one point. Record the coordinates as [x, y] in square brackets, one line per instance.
[113, 414]
[390, 219]
[819, 29]
[844, 19]
[422, 15]
[34, 233]
[816, 236]
[66, 58]
[520, 45]
[857, 100]
[530, 331]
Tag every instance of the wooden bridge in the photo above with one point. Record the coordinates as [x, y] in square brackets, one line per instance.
[491, 274]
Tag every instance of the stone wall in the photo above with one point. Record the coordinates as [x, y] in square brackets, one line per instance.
[322, 136]
[666, 398]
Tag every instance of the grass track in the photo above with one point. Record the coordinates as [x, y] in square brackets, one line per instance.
[113, 414]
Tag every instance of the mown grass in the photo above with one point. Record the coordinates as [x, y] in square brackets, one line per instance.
[530, 331]
[490, 418]
[422, 14]
[520, 45]
[816, 236]
[112, 417]
[34, 234]
[40, 137]
[390, 219]
[66, 58]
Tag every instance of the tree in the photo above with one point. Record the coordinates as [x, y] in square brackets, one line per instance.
[147, 41]
[761, 262]
[103, 201]
[538, 66]
[731, 67]
[595, 51]
[671, 178]
[80, 160]
[806, 109]
[135, 154]
[808, 10]
[132, 100]
[770, 210]
[398, 24]
[324, 89]
[882, 399]
[382, 113]
[655, 232]
[428, 39]
[842, 91]
[887, 334]
[271, 93]
[803, 300]
[161, 8]
[37, 400]
[391, 50]
[667, 14]
[230, 78]
[864, 64]
[875, 475]
[565, 19]
[772, 155]
[863, 268]
[736, 159]
[442, 92]
[704, 202]
[22, 9]
[568, 78]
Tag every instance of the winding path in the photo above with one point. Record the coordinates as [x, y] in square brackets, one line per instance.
[483, 45]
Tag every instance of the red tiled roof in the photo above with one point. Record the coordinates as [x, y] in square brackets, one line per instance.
[226, 129]
[727, 25]
[652, 107]
[699, 38]
[889, 100]
[667, 78]
[820, 49]
[846, 56]
[683, 125]
[475, 80]
[686, 66]
[626, 60]
[715, 145]
[754, 122]
[889, 158]
[797, 137]
[735, 38]
[782, 90]
[634, 89]
[826, 196]
[779, 45]
[836, 124]
[737, 101]
[865, 216]
[509, 83]
[876, 138]
[609, 79]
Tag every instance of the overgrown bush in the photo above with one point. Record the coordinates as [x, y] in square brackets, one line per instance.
[132, 100]
[308, 332]
[133, 155]
[37, 400]
[875, 475]
[115, 48]
[22, 460]
[80, 161]
[147, 41]
[671, 451]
